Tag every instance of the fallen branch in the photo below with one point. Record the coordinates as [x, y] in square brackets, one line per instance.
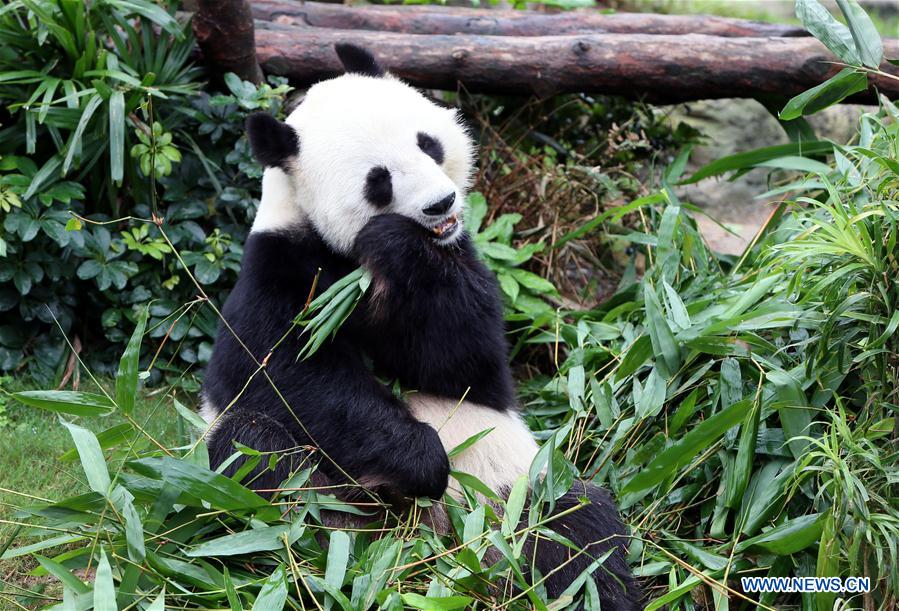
[661, 68]
[455, 20]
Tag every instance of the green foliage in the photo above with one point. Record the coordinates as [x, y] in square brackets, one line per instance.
[857, 44]
[524, 291]
[105, 121]
[742, 409]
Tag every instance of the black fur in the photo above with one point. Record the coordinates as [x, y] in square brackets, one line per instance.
[378, 187]
[434, 320]
[273, 143]
[356, 421]
[594, 528]
[431, 147]
[358, 60]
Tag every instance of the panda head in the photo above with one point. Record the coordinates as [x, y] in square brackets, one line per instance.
[359, 145]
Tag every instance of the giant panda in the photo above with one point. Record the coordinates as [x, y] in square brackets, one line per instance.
[368, 171]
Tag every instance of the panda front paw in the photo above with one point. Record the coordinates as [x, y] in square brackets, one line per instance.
[428, 469]
[388, 234]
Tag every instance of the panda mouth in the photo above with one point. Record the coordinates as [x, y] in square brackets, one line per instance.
[446, 228]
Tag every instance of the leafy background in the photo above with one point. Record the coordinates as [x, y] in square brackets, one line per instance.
[741, 408]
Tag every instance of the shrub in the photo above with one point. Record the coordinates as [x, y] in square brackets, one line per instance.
[106, 122]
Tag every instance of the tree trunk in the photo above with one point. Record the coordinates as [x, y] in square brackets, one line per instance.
[225, 33]
[455, 20]
[657, 68]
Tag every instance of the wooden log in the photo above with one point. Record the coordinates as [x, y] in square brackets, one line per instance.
[225, 33]
[456, 20]
[661, 69]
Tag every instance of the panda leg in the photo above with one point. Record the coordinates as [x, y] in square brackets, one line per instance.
[260, 432]
[595, 528]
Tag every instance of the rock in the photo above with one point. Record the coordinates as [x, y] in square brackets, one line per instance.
[737, 125]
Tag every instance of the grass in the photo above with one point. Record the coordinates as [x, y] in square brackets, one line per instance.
[31, 443]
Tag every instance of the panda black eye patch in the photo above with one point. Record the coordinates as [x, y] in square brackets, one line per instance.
[378, 187]
[430, 147]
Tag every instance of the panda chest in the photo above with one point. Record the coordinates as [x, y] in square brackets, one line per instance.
[498, 459]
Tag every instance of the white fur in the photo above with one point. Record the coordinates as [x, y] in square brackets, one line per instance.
[209, 413]
[349, 125]
[277, 208]
[499, 458]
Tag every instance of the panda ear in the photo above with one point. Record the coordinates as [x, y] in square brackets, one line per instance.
[357, 60]
[273, 143]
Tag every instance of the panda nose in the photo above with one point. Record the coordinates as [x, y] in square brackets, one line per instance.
[440, 207]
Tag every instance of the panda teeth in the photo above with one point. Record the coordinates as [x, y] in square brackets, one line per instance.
[445, 226]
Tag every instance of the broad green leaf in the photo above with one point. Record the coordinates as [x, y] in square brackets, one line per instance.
[104, 588]
[91, 455]
[664, 345]
[219, 491]
[181, 571]
[735, 485]
[25, 550]
[469, 480]
[788, 538]
[698, 554]
[509, 286]
[231, 591]
[651, 396]
[62, 574]
[134, 531]
[828, 565]
[74, 145]
[116, 136]
[864, 34]
[338, 556]
[764, 496]
[515, 505]
[823, 26]
[107, 439]
[441, 603]
[192, 417]
[469, 442]
[473, 528]
[67, 402]
[576, 387]
[267, 538]
[475, 211]
[832, 91]
[126, 377]
[273, 594]
[795, 414]
[158, 604]
[750, 159]
[687, 448]
[635, 357]
[799, 164]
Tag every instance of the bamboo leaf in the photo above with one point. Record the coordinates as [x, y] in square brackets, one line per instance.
[864, 34]
[116, 136]
[104, 588]
[273, 594]
[67, 402]
[685, 449]
[126, 377]
[92, 459]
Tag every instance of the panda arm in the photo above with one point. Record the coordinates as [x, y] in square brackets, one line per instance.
[433, 317]
[365, 432]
